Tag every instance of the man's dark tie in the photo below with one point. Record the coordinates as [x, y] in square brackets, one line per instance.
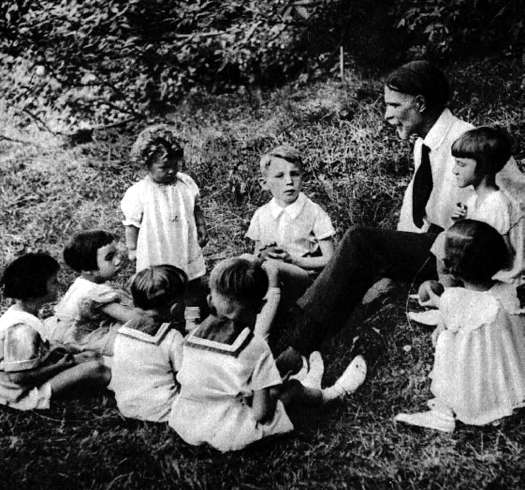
[422, 187]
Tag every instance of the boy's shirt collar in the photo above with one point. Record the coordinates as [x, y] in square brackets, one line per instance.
[293, 210]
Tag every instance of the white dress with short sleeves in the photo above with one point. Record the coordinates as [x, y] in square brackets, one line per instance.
[217, 382]
[164, 215]
[479, 365]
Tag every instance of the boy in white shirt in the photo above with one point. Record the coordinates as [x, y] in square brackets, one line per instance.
[290, 229]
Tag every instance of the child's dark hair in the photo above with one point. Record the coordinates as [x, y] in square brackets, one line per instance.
[152, 139]
[474, 251]
[26, 277]
[288, 153]
[490, 147]
[157, 286]
[80, 253]
[240, 279]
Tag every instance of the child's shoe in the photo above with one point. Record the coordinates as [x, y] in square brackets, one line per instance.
[351, 379]
[315, 373]
[433, 419]
[192, 316]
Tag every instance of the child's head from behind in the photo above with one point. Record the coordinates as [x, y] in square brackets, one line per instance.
[237, 289]
[31, 276]
[282, 174]
[480, 152]
[474, 251]
[159, 149]
[158, 287]
[94, 252]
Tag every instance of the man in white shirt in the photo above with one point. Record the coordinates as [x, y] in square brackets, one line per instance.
[415, 95]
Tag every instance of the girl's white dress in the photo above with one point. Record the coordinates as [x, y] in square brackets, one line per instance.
[217, 381]
[79, 320]
[479, 365]
[15, 360]
[143, 371]
[164, 215]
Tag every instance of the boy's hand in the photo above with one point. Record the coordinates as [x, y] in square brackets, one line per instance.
[87, 355]
[280, 254]
[272, 271]
[460, 212]
[437, 332]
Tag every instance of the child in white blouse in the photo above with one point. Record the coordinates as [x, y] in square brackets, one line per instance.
[147, 352]
[479, 363]
[163, 221]
[32, 371]
[479, 155]
[232, 392]
[290, 229]
[87, 315]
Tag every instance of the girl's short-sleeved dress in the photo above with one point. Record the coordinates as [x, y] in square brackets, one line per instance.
[217, 382]
[143, 371]
[79, 320]
[479, 365]
[164, 215]
[15, 360]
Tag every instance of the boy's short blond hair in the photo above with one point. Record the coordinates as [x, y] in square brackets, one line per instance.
[286, 152]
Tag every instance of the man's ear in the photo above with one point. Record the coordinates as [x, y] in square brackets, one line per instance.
[421, 103]
[262, 183]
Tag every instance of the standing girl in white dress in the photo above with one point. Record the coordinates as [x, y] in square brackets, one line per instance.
[32, 371]
[232, 393]
[479, 364]
[163, 220]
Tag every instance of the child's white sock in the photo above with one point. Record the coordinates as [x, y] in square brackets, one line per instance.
[351, 379]
[301, 374]
[316, 371]
[192, 316]
[439, 418]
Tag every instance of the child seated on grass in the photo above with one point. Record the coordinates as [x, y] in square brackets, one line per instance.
[163, 221]
[31, 371]
[147, 352]
[480, 154]
[478, 375]
[87, 315]
[290, 229]
[232, 392]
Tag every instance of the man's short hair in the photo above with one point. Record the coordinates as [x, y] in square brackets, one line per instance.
[288, 153]
[421, 78]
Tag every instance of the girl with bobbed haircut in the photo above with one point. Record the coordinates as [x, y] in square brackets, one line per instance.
[490, 147]
[26, 277]
[80, 253]
[156, 286]
[240, 279]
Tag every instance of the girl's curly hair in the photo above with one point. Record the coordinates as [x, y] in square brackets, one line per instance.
[151, 139]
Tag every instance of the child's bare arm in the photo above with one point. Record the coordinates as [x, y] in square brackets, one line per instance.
[122, 313]
[267, 315]
[202, 232]
[41, 374]
[131, 232]
[263, 405]
[315, 263]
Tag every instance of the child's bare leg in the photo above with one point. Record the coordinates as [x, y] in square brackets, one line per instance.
[294, 280]
[91, 373]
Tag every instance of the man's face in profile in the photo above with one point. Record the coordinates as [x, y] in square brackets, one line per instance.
[404, 112]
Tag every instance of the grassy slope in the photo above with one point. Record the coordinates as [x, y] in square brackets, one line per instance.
[47, 192]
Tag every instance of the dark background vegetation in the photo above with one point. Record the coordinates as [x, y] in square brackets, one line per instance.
[79, 80]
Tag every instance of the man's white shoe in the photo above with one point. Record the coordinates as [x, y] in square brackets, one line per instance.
[433, 419]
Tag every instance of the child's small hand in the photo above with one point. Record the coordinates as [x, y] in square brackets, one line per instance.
[87, 355]
[132, 255]
[280, 254]
[202, 236]
[437, 332]
[460, 211]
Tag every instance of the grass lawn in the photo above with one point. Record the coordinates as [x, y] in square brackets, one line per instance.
[357, 169]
